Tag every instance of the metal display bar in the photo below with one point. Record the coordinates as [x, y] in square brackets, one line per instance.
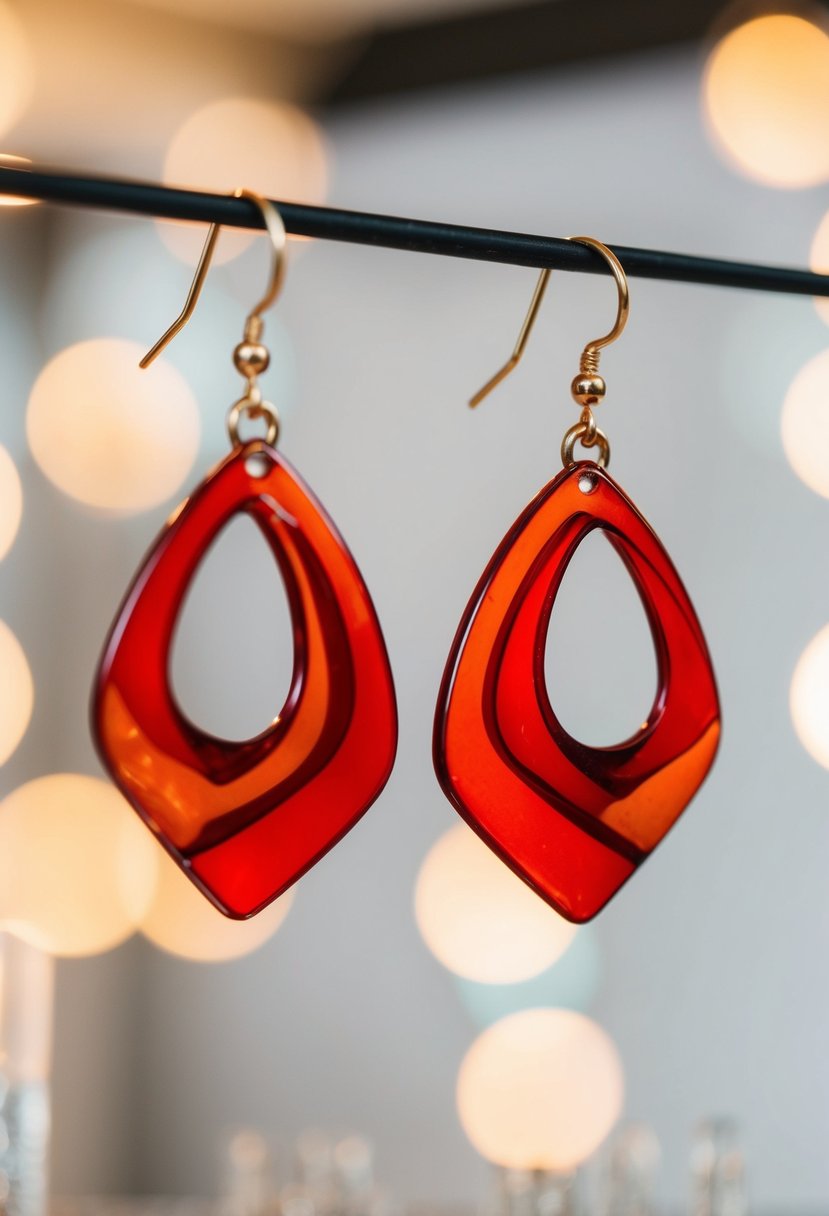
[393, 232]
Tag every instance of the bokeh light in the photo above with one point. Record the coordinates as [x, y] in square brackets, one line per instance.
[809, 698]
[7, 161]
[570, 983]
[16, 69]
[540, 1090]
[804, 424]
[77, 867]
[766, 95]
[106, 432]
[11, 502]
[181, 921]
[819, 263]
[479, 919]
[271, 147]
[17, 696]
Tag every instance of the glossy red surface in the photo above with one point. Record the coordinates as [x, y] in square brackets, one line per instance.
[245, 820]
[573, 821]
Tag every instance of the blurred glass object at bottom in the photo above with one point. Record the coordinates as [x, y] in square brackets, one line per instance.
[26, 1006]
[630, 1173]
[522, 1192]
[717, 1170]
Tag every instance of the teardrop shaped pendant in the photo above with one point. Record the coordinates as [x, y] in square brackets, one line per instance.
[573, 821]
[245, 820]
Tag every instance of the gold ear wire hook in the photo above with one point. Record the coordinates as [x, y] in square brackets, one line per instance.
[253, 326]
[590, 354]
[515, 357]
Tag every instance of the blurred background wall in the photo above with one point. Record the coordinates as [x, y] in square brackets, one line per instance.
[711, 962]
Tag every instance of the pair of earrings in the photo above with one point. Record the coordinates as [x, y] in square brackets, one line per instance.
[246, 820]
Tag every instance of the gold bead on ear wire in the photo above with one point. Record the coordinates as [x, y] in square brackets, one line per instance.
[251, 359]
[587, 390]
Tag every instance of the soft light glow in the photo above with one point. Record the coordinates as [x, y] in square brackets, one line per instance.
[804, 425]
[481, 921]
[16, 71]
[7, 161]
[809, 698]
[11, 502]
[819, 263]
[108, 433]
[571, 983]
[267, 146]
[77, 867]
[181, 921]
[18, 694]
[540, 1090]
[766, 91]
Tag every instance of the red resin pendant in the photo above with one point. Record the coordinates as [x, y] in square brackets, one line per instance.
[245, 820]
[573, 821]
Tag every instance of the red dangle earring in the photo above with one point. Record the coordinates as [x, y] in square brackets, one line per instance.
[245, 820]
[573, 821]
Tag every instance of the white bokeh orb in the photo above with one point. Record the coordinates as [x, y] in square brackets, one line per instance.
[271, 147]
[77, 866]
[479, 919]
[809, 698]
[540, 1089]
[11, 502]
[804, 424]
[107, 432]
[183, 922]
[766, 99]
[17, 697]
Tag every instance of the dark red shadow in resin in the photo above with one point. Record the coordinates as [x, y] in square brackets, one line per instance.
[573, 821]
[245, 820]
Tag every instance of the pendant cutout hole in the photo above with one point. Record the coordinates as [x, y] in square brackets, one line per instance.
[599, 662]
[233, 652]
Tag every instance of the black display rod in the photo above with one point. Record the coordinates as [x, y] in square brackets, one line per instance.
[392, 232]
